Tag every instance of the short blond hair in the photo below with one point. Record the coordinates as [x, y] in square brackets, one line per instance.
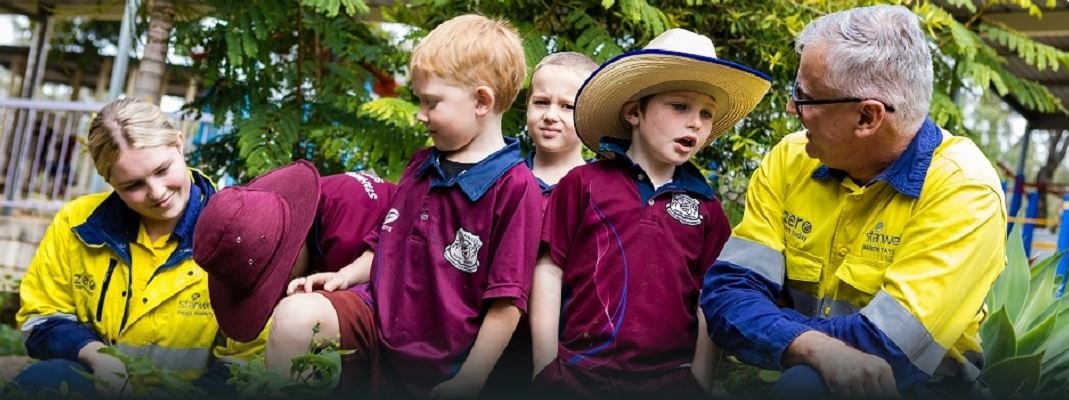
[472, 50]
[575, 62]
[127, 124]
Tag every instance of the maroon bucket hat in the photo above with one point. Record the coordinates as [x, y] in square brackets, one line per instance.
[248, 237]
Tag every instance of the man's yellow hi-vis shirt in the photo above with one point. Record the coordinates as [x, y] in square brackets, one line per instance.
[898, 267]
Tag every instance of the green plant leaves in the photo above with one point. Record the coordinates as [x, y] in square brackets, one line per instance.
[1013, 375]
[1026, 338]
[999, 339]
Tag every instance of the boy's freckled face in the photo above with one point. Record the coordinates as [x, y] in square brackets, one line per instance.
[448, 111]
[674, 126]
[550, 122]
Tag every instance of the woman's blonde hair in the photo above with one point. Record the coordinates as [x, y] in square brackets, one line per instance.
[127, 124]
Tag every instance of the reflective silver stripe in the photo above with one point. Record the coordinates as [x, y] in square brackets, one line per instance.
[810, 306]
[757, 257]
[168, 358]
[35, 320]
[905, 331]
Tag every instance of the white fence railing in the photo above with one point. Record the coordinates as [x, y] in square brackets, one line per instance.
[43, 163]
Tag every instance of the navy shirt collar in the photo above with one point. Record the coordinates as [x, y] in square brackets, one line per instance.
[475, 181]
[686, 178]
[906, 174]
[115, 225]
[542, 185]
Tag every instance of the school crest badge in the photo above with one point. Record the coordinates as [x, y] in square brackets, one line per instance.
[390, 217]
[684, 209]
[463, 253]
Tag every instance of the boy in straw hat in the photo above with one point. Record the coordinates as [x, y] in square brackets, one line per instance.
[628, 237]
[453, 258]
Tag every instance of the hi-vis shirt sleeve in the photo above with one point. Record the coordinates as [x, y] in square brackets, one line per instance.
[739, 292]
[48, 317]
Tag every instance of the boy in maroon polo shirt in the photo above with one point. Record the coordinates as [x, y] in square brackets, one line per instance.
[628, 238]
[454, 256]
[550, 125]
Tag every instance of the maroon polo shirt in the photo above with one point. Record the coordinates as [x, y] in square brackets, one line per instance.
[633, 260]
[351, 205]
[446, 248]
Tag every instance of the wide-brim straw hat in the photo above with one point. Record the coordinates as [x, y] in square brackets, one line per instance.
[677, 59]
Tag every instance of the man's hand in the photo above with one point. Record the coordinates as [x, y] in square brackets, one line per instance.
[105, 368]
[847, 371]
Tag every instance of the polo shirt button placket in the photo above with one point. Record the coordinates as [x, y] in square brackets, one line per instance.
[423, 216]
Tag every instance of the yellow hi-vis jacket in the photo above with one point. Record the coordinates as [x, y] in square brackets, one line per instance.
[898, 268]
[97, 276]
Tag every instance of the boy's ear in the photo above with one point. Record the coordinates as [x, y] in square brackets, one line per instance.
[631, 112]
[484, 100]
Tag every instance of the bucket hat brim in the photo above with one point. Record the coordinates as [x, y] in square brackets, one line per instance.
[243, 315]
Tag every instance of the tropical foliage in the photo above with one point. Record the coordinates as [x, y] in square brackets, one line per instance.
[315, 79]
[1026, 337]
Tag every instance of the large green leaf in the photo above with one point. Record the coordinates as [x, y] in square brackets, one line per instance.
[1058, 342]
[1013, 376]
[1035, 340]
[998, 337]
[1011, 288]
[1040, 296]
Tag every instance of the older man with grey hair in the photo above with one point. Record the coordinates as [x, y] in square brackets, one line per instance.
[870, 239]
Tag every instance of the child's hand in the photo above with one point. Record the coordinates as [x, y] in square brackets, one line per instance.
[456, 388]
[328, 281]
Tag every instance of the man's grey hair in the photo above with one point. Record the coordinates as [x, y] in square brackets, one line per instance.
[877, 52]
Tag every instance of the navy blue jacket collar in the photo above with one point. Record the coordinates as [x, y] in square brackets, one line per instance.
[906, 174]
[115, 225]
[479, 178]
[686, 178]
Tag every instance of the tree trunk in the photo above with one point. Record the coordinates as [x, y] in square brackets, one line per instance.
[154, 60]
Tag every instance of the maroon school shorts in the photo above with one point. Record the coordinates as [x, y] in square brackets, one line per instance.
[356, 324]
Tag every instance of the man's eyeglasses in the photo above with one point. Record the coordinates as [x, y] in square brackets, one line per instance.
[798, 103]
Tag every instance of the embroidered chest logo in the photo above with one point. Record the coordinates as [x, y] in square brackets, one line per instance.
[196, 305]
[684, 209]
[463, 253]
[84, 282]
[390, 217]
[880, 242]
